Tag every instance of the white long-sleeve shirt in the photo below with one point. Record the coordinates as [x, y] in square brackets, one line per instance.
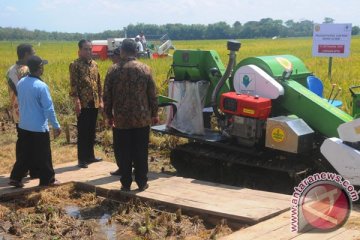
[140, 47]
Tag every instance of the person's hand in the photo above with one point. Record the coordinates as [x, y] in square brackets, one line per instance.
[57, 132]
[111, 122]
[77, 107]
[155, 120]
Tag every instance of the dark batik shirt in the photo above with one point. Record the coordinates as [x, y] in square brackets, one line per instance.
[130, 94]
[85, 83]
[13, 76]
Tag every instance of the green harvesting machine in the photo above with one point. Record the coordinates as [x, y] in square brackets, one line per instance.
[265, 112]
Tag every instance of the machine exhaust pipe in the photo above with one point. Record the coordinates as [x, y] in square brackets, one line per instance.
[233, 46]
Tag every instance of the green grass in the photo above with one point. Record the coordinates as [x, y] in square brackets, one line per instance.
[346, 71]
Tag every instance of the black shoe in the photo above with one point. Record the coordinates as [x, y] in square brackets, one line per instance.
[143, 188]
[82, 165]
[116, 173]
[125, 189]
[15, 183]
[93, 160]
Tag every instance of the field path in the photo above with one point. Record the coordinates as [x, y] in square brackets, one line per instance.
[232, 203]
[267, 212]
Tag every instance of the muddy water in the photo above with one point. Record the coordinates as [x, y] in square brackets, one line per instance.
[109, 229]
[73, 211]
[105, 228]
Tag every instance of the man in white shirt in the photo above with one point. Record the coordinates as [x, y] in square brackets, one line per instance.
[143, 39]
[139, 45]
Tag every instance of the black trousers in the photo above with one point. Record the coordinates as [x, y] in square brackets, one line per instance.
[131, 147]
[34, 154]
[33, 172]
[116, 140]
[86, 125]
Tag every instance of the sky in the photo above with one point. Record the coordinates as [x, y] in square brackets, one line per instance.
[93, 16]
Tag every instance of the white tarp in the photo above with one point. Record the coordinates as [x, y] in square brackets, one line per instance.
[190, 97]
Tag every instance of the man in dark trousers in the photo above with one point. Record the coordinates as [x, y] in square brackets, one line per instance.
[36, 109]
[13, 76]
[87, 95]
[115, 58]
[130, 104]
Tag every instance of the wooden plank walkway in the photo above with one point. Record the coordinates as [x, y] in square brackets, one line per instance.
[279, 228]
[267, 211]
[233, 203]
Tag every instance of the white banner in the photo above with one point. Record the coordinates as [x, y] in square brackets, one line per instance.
[331, 40]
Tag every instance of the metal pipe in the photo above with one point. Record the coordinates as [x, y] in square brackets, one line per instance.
[228, 71]
[338, 91]
[332, 90]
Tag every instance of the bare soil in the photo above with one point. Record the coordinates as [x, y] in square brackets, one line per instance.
[65, 212]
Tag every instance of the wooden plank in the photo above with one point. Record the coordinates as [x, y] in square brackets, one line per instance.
[204, 207]
[251, 209]
[197, 184]
[235, 203]
[261, 229]
[216, 195]
[227, 190]
[313, 235]
[66, 172]
[235, 197]
[282, 233]
[349, 234]
[208, 199]
[279, 228]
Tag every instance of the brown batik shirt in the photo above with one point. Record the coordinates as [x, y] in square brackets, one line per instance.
[130, 94]
[85, 83]
[14, 74]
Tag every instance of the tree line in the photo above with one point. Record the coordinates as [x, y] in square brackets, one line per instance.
[265, 28]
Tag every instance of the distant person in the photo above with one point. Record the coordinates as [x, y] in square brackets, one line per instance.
[115, 57]
[139, 46]
[86, 92]
[13, 75]
[143, 39]
[130, 104]
[36, 109]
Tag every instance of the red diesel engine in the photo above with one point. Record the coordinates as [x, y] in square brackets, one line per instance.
[246, 116]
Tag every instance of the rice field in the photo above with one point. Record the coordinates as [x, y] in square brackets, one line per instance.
[345, 72]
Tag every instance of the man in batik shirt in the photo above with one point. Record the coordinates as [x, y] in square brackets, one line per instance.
[130, 104]
[87, 96]
[13, 75]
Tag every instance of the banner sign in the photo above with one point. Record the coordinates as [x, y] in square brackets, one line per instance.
[331, 40]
